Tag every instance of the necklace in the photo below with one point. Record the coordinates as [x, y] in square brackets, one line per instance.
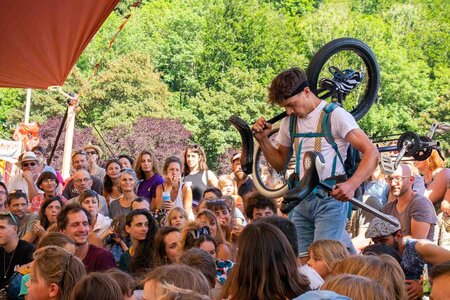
[9, 264]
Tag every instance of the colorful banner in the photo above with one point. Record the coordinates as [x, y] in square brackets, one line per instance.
[10, 150]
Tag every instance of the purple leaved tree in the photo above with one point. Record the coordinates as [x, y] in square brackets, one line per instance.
[163, 137]
[47, 137]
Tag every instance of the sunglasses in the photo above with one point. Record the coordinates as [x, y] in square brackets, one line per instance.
[27, 164]
[8, 213]
[199, 232]
[91, 152]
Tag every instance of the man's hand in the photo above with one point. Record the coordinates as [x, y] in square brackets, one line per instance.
[28, 176]
[261, 129]
[414, 289]
[343, 191]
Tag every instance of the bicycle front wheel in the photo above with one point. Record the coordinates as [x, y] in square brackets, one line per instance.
[347, 54]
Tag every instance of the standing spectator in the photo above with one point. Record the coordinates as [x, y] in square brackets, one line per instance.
[17, 203]
[82, 181]
[47, 182]
[3, 195]
[74, 221]
[196, 173]
[244, 182]
[180, 194]
[26, 180]
[436, 178]
[80, 161]
[147, 171]
[15, 252]
[94, 154]
[415, 213]
[110, 182]
[126, 161]
[127, 185]
[142, 229]
[54, 273]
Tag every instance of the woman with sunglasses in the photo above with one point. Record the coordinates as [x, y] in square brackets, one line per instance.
[142, 229]
[196, 173]
[54, 273]
[111, 180]
[47, 182]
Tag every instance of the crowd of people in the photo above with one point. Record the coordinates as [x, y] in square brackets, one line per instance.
[123, 228]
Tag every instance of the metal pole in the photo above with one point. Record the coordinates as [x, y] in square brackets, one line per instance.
[27, 107]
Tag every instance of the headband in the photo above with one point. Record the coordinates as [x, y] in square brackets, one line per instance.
[299, 89]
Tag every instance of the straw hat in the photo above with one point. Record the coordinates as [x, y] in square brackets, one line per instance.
[28, 156]
[96, 148]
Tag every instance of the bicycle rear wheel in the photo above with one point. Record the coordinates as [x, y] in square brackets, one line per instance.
[345, 54]
[268, 181]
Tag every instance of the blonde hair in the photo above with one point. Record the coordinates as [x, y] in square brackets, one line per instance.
[356, 287]
[329, 251]
[180, 210]
[57, 266]
[383, 269]
[223, 179]
[435, 161]
[175, 293]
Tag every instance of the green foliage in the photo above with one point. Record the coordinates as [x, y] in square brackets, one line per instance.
[199, 61]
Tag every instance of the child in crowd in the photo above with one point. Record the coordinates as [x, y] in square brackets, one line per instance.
[228, 187]
[323, 253]
[177, 217]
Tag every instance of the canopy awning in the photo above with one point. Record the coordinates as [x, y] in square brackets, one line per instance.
[40, 41]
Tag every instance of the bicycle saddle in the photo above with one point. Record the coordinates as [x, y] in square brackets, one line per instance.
[313, 164]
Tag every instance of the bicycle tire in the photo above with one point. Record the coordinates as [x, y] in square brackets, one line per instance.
[257, 180]
[372, 70]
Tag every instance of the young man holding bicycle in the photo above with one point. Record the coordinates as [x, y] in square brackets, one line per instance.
[319, 216]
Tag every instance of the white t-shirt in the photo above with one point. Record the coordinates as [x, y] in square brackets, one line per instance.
[342, 122]
[314, 278]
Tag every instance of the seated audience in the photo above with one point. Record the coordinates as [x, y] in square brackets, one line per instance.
[177, 217]
[98, 286]
[126, 282]
[440, 278]
[47, 217]
[265, 268]
[142, 229]
[356, 287]
[54, 273]
[323, 253]
[259, 206]
[17, 203]
[167, 241]
[127, 186]
[47, 182]
[74, 221]
[15, 252]
[157, 282]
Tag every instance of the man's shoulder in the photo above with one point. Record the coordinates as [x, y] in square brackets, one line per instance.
[24, 246]
[95, 251]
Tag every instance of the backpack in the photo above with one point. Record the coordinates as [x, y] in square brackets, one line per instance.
[353, 158]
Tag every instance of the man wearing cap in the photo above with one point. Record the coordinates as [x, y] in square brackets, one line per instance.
[26, 180]
[244, 182]
[94, 153]
[319, 216]
[80, 161]
[415, 212]
[414, 253]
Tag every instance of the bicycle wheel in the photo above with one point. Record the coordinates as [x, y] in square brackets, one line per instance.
[268, 181]
[347, 54]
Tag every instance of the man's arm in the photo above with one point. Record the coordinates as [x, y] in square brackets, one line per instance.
[275, 156]
[432, 253]
[419, 230]
[359, 140]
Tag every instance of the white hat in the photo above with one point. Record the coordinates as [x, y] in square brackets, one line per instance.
[28, 156]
